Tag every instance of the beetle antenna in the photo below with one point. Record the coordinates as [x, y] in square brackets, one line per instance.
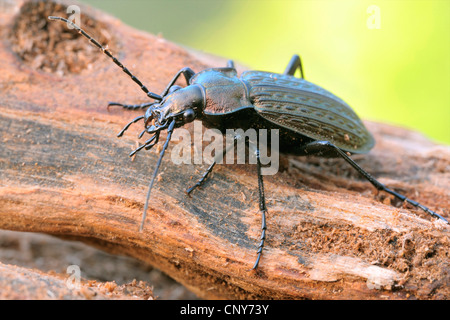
[109, 54]
[158, 164]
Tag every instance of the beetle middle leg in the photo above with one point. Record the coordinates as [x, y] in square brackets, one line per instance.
[217, 158]
[262, 201]
[293, 65]
[321, 147]
[186, 72]
[262, 208]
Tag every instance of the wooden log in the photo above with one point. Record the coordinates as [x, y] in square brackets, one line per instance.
[26, 284]
[330, 234]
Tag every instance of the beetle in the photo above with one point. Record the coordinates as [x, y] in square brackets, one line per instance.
[310, 119]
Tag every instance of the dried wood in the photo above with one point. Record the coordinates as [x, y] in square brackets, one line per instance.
[330, 234]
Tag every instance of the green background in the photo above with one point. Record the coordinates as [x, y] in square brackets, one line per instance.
[398, 73]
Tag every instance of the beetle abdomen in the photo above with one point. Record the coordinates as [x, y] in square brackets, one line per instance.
[308, 109]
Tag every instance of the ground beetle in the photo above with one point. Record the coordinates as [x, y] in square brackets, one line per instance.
[310, 120]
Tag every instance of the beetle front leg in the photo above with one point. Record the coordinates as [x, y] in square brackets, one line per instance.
[293, 65]
[188, 73]
[320, 147]
[202, 179]
[230, 64]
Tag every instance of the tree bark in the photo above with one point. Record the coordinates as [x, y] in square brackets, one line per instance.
[330, 234]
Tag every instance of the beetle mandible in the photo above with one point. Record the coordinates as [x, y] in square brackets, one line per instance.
[310, 120]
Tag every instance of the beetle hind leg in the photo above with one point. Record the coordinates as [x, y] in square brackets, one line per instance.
[321, 147]
[294, 64]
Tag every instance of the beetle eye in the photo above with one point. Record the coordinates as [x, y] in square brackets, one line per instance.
[189, 115]
[174, 88]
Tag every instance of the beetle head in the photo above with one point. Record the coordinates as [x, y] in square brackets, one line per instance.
[180, 104]
[176, 108]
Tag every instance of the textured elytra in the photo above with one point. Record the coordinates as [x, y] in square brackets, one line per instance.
[308, 109]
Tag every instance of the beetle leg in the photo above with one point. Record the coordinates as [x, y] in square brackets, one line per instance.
[130, 106]
[137, 150]
[318, 147]
[230, 64]
[262, 208]
[293, 65]
[217, 158]
[148, 146]
[155, 173]
[188, 73]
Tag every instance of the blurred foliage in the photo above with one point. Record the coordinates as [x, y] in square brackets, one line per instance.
[398, 73]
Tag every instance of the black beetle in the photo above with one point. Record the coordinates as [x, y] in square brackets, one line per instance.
[310, 120]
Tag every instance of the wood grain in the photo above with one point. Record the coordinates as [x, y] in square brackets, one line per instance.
[330, 234]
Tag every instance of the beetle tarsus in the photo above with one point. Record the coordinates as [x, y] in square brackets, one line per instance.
[318, 147]
[414, 203]
[202, 179]
[262, 208]
[302, 110]
[147, 144]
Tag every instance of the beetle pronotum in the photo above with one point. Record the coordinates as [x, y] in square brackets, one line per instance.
[310, 120]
